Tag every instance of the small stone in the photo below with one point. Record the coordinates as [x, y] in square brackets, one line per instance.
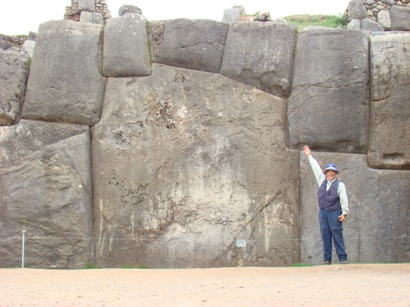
[129, 9]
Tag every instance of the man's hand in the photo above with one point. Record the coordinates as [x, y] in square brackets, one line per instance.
[307, 150]
[342, 218]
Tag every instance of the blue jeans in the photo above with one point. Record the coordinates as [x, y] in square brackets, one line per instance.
[331, 227]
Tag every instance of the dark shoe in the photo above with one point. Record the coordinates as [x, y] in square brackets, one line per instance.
[344, 261]
[327, 262]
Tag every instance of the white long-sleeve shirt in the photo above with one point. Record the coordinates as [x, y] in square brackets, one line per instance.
[320, 177]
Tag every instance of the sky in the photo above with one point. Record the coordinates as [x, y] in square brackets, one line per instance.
[19, 17]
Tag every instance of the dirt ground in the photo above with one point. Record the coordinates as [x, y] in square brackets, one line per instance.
[334, 285]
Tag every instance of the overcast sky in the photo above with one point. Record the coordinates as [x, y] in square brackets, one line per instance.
[22, 16]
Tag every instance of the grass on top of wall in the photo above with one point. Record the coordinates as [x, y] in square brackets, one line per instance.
[330, 21]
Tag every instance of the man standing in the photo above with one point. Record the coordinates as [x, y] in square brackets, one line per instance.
[333, 208]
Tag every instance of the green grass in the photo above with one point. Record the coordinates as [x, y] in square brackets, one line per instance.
[91, 266]
[329, 21]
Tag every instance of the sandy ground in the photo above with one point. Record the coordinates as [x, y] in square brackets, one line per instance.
[335, 285]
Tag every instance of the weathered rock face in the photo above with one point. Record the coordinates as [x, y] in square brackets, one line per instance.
[126, 48]
[92, 18]
[14, 69]
[80, 8]
[21, 140]
[86, 5]
[379, 15]
[46, 189]
[189, 165]
[65, 82]
[16, 41]
[260, 54]
[185, 164]
[370, 25]
[356, 10]
[129, 9]
[377, 226]
[328, 107]
[193, 44]
[389, 145]
[231, 15]
[400, 18]
[383, 18]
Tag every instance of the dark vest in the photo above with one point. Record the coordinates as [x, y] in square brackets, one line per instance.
[329, 199]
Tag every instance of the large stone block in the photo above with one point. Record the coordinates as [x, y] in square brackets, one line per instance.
[356, 10]
[29, 136]
[126, 49]
[389, 145]
[186, 163]
[383, 18]
[47, 191]
[329, 105]
[400, 18]
[86, 5]
[231, 15]
[377, 227]
[65, 82]
[92, 17]
[193, 44]
[260, 54]
[27, 49]
[370, 25]
[14, 69]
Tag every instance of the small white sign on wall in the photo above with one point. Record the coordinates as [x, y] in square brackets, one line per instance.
[240, 243]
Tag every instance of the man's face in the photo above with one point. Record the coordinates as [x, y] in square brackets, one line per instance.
[330, 175]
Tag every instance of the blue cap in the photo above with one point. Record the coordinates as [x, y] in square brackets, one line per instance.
[330, 167]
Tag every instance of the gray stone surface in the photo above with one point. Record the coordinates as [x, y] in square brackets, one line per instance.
[126, 48]
[400, 18]
[86, 5]
[263, 16]
[29, 136]
[5, 42]
[186, 163]
[193, 44]
[261, 55]
[377, 226]
[241, 8]
[231, 15]
[354, 24]
[92, 17]
[383, 18]
[389, 2]
[14, 68]
[389, 145]
[370, 25]
[28, 49]
[129, 9]
[356, 10]
[48, 193]
[65, 81]
[329, 105]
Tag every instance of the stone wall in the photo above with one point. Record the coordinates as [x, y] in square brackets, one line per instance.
[379, 15]
[96, 7]
[179, 145]
[374, 7]
[7, 41]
